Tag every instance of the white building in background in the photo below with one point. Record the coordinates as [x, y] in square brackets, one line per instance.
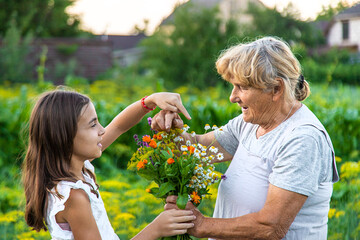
[228, 9]
[344, 29]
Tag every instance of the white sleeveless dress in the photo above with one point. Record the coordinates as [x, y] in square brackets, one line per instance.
[56, 205]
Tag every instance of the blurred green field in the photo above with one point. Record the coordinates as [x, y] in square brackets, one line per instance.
[129, 207]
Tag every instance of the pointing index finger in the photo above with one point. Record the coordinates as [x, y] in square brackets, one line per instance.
[183, 110]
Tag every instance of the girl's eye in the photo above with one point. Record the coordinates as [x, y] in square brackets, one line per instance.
[93, 125]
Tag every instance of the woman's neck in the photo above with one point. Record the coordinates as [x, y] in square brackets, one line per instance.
[278, 117]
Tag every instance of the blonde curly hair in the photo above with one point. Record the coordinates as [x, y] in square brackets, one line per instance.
[260, 63]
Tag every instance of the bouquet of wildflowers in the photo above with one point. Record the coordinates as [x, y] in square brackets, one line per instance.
[178, 166]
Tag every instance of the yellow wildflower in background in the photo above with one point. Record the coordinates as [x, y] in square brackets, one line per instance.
[339, 214]
[350, 170]
[331, 213]
[11, 216]
[338, 159]
[115, 185]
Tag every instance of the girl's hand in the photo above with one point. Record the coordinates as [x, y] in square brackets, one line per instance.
[196, 230]
[172, 222]
[167, 101]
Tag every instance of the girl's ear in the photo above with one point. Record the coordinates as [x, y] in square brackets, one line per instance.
[278, 90]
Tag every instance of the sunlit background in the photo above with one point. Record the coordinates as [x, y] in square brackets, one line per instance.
[120, 16]
[116, 60]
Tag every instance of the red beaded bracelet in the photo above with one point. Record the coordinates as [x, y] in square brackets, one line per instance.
[144, 105]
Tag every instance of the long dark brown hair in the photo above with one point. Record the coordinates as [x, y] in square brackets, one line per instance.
[52, 129]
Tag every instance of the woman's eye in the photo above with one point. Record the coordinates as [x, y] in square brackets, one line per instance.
[243, 87]
[93, 125]
[239, 87]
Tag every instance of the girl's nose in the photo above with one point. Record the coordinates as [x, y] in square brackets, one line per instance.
[102, 130]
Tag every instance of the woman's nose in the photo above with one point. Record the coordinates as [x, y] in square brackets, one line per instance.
[234, 96]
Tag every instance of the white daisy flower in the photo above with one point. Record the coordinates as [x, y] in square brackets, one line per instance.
[213, 149]
[193, 134]
[214, 127]
[220, 156]
[185, 128]
[188, 143]
[207, 127]
[177, 139]
[183, 148]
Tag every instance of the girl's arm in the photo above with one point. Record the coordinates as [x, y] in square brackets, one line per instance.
[131, 115]
[168, 223]
[79, 215]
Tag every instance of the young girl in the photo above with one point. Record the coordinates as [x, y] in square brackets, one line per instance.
[60, 186]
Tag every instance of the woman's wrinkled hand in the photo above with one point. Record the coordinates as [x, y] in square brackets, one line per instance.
[165, 120]
[196, 230]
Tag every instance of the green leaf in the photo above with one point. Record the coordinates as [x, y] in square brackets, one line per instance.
[154, 191]
[150, 176]
[165, 188]
[182, 200]
[167, 154]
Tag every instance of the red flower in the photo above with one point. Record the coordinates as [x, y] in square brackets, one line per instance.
[170, 161]
[146, 138]
[195, 197]
[153, 144]
[140, 165]
[191, 149]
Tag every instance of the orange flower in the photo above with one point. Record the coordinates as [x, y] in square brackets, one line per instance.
[195, 197]
[146, 138]
[191, 149]
[148, 190]
[184, 153]
[170, 161]
[145, 161]
[159, 137]
[153, 144]
[140, 165]
[155, 136]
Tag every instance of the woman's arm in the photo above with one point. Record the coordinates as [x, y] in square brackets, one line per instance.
[271, 222]
[132, 114]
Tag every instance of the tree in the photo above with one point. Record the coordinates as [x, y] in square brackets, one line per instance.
[286, 25]
[328, 12]
[42, 18]
[185, 52]
[12, 53]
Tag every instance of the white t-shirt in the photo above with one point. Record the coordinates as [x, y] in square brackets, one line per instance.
[297, 156]
[56, 205]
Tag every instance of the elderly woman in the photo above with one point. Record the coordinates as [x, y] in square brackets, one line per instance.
[280, 180]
